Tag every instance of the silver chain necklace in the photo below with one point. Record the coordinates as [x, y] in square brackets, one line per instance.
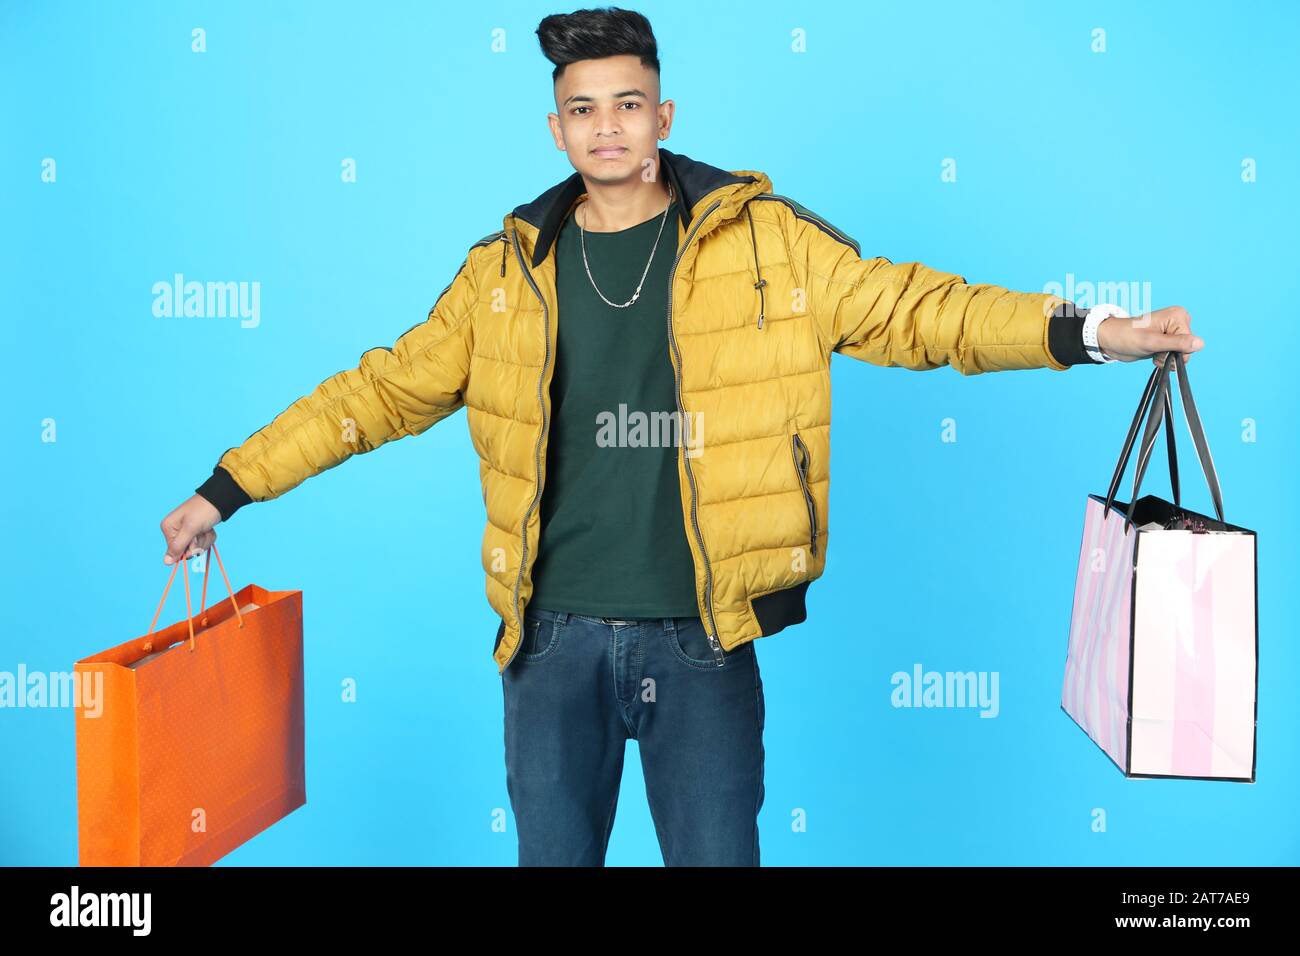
[582, 233]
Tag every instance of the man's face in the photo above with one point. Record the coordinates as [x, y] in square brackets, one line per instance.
[609, 118]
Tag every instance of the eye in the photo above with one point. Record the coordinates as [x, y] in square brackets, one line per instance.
[630, 103]
[577, 108]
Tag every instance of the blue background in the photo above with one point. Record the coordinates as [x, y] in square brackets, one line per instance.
[1119, 166]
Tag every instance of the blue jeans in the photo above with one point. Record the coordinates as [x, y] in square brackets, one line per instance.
[580, 687]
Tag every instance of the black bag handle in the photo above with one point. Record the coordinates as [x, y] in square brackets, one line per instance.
[1193, 425]
[1143, 404]
[1158, 387]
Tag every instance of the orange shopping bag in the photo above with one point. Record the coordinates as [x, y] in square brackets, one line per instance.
[193, 746]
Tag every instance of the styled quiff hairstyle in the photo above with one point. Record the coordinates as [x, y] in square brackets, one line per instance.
[596, 33]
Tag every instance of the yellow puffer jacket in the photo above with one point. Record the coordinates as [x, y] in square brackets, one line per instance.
[762, 292]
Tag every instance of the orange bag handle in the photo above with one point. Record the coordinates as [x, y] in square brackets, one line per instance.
[189, 618]
[203, 599]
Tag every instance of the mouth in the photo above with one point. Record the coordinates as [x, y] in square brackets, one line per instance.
[609, 152]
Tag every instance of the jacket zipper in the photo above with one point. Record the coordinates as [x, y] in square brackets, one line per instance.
[537, 451]
[802, 460]
[712, 629]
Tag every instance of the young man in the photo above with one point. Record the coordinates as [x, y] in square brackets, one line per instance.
[644, 355]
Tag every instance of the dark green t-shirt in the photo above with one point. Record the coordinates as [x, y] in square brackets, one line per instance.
[613, 541]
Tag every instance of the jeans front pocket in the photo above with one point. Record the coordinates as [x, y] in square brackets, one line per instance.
[541, 637]
[689, 643]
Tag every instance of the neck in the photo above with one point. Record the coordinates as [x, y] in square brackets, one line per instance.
[610, 207]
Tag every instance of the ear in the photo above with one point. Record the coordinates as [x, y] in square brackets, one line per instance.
[557, 133]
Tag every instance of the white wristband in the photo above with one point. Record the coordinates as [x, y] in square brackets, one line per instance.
[1097, 315]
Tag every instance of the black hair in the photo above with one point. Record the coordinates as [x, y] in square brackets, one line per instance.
[596, 33]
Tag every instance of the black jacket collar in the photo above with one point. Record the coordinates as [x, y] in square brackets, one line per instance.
[690, 180]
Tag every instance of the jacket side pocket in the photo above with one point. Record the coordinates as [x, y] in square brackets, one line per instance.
[802, 464]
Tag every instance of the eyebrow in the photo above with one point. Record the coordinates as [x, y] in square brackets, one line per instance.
[582, 97]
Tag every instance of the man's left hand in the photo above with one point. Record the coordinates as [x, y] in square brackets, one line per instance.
[1152, 334]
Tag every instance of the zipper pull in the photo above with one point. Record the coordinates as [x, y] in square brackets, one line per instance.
[504, 242]
[717, 650]
[714, 643]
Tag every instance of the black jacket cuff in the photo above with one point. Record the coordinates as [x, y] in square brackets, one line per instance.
[223, 492]
[1065, 335]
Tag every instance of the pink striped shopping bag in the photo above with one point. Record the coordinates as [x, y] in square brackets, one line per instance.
[1162, 667]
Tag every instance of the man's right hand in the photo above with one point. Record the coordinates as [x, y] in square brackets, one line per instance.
[187, 531]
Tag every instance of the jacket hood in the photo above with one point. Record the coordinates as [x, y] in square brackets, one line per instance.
[693, 181]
